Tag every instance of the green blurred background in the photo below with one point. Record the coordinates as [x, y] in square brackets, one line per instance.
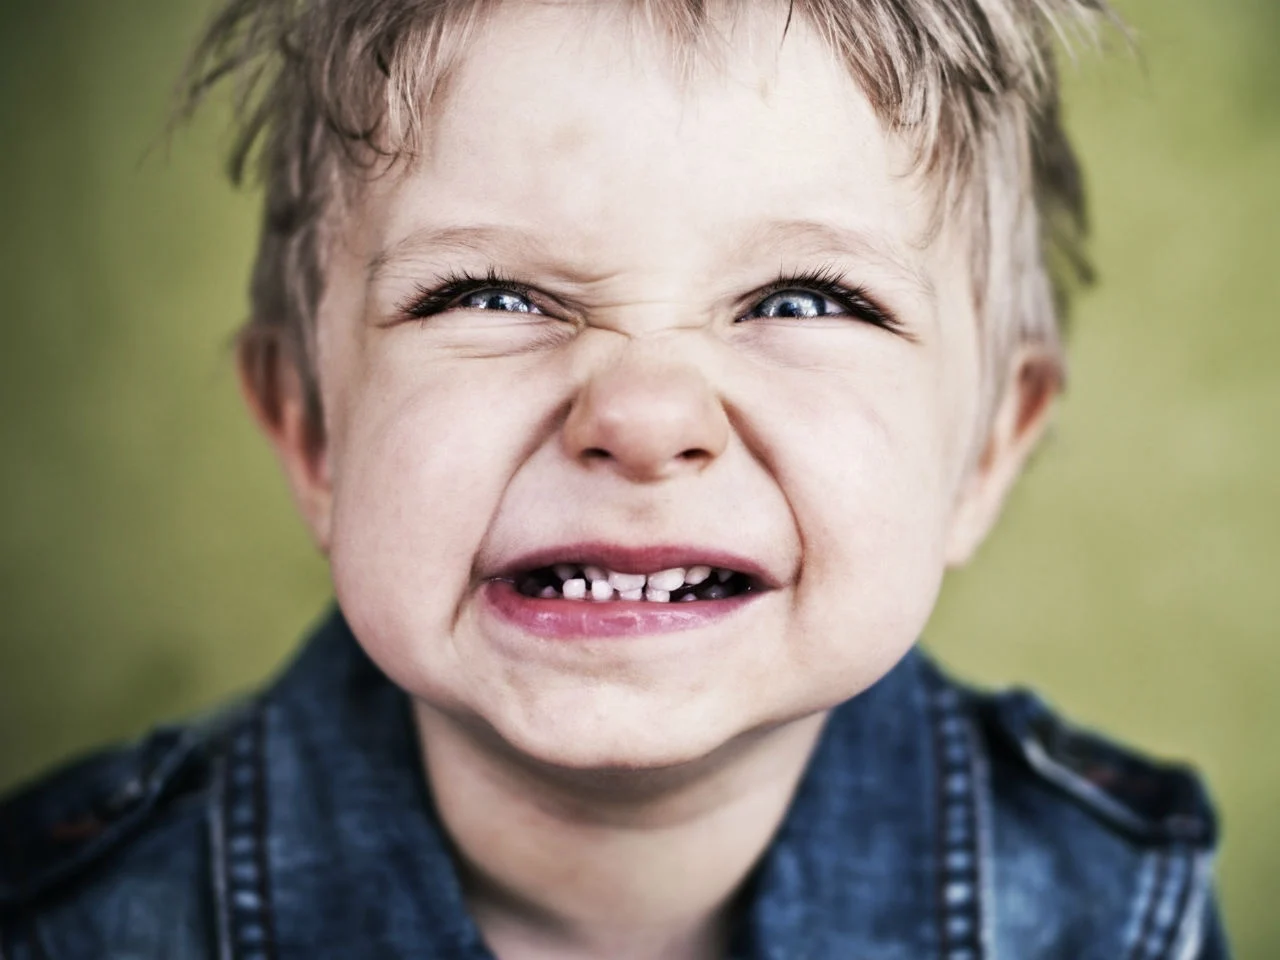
[150, 561]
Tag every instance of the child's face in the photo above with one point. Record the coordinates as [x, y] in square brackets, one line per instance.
[651, 399]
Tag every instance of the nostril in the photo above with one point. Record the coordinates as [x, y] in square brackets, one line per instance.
[596, 453]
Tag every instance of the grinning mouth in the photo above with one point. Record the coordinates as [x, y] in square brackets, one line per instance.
[588, 582]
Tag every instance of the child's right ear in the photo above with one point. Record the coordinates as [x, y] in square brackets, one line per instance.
[273, 387]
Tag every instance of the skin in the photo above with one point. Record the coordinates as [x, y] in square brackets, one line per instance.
[608, 796]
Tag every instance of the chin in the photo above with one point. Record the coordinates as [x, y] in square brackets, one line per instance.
[619, 732]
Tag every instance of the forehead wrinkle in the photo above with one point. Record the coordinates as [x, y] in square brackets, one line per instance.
[821, 237]
[503, 242]
[494, 242]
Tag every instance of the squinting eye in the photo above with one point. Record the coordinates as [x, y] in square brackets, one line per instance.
[796, 303]
[496, 299]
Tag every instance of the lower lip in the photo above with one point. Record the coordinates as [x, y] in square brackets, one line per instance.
[590, 619]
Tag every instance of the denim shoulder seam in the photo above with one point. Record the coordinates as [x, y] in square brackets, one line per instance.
[1190, 934]
[238, 832]
[1162, 903]
[963, 932]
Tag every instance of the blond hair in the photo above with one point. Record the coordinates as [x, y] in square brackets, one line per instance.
[326, 89]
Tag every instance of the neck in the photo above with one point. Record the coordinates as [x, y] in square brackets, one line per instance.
[633, 866]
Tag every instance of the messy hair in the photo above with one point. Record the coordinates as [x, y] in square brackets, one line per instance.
[327, 90]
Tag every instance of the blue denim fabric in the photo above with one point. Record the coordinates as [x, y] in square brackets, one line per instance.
[932, 822]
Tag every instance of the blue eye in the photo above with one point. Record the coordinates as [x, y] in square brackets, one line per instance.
[464, 291]
[496, 299]
[821, 293]
[796, 303]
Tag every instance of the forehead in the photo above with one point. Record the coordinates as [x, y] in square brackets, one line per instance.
[580, 133]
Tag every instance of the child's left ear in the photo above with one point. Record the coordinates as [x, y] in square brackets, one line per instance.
[275, 391]
[1023, 413]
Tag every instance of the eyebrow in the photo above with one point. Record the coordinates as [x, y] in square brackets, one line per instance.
[468, 239]
[819, 237]
[769, 237]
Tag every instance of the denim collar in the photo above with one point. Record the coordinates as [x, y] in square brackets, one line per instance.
[331, 844]
[853, 869]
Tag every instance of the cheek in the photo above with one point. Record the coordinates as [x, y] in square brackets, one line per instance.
[418, 479]
[864, 469]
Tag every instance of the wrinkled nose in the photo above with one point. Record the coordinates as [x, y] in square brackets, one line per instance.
[648, 422]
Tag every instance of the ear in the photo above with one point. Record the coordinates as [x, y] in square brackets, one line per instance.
[1021, 416]
[275, 390]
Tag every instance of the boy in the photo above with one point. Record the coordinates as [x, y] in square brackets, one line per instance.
[640, 369]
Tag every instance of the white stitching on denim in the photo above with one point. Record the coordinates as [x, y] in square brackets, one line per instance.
[248, 914]
[218, 852]
[1142, 900]
[986, 842]
[1189, 937]
[1149, 928]
[961, 929]
[1173, 904]
[1167, 905]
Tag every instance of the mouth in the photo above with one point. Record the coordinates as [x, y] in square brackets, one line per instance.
[591, 583]
[605, 590]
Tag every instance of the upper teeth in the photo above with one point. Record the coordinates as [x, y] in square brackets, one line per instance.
[582, 581]
[623, 582]
[695, 575]
[668, 579]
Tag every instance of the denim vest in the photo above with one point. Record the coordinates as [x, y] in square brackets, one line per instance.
[932, 823]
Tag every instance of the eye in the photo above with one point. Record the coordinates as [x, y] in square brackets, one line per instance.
[495, 298]
[491, 293]
[821, 293]
[796, 303]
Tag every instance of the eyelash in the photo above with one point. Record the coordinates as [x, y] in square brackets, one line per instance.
[830, 283]
[428, 301]
[827, 282]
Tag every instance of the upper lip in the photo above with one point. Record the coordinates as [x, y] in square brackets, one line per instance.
[630, 559]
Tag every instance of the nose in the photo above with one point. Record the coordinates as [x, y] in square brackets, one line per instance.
[647, 421]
